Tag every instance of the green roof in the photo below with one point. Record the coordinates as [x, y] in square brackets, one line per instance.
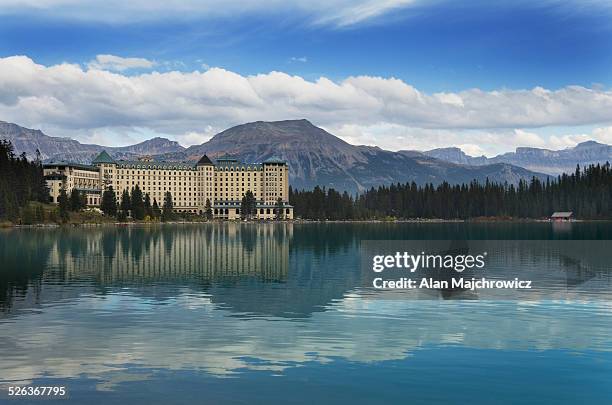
[103, 157]
[274, 159]
[226, 158]
[70, 164]
[228, 162]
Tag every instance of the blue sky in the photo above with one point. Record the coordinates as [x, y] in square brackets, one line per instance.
[433, 46]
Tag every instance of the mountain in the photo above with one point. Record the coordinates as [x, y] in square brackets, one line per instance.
[316, 157]
[29, 140]
[155, 146]
[541, 160]
[56, 148]
[456, 155]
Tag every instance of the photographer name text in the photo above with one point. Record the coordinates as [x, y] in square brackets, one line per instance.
[473, 283]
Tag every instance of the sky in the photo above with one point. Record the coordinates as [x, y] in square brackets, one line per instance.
[486, 76]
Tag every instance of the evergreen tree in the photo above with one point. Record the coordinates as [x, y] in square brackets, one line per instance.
[208, 210]
[32, 213]
[147, 206]
[108, 204]
[39, 184]
[251, 203]
[28, 216]
[587, 192]
[125, 205]
[155, 209]
[21, 181]
[75, 200]
[168, 210]
[39, 213]
[279, 209]
[248, 205]
[244, 209]
[137, 204]
[63, 205]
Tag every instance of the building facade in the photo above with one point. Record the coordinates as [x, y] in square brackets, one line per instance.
[223, 182]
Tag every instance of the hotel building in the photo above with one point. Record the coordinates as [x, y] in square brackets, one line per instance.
[224, 182]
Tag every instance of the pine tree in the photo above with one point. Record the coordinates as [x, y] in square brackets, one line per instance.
[40, 214]
[168, 211]
[252, 203]
[208, 210]
[280, 209]
[147, 206]
[41, 191]
[244, 209]
[248, 205]
[28, 216]
[125, 205]
[587, 192]
[63, 205]
[137, 204]
[155, 209]
[75, 200]
[109, 202]
[21, 181]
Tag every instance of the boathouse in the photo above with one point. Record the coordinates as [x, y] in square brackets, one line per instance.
[562, 216]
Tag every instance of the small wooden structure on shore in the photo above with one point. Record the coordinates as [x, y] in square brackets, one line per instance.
[562, 216]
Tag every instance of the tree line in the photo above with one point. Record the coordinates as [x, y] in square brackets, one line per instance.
[139, 207]
[586, 192]
[21, 182]
[133, 205]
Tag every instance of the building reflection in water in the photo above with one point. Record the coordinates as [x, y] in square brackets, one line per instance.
[42, 266]
[142, 255]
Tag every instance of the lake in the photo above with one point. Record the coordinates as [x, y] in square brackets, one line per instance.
[267, 313]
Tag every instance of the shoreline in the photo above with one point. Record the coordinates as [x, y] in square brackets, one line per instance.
[8, 225]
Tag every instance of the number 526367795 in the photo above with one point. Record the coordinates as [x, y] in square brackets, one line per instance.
[36, 391]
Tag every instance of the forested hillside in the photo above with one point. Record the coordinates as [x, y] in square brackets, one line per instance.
[586, 192]
[21, 181]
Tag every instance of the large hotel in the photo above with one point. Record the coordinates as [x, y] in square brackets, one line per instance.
[224, 182]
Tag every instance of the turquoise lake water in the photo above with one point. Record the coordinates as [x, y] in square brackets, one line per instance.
[283, 313]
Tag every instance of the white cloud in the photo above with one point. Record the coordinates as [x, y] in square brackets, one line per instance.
[302, 59]
[328, 12]
[114, 137]
[197, 137]
[119, 64]
[450, 98]
[362, 11]
[525, 138]
[472, 149]
[603, 135]
[368, 110]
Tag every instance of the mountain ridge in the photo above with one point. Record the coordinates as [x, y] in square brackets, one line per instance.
[552, 162]
[315, 157]
[63, 148]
